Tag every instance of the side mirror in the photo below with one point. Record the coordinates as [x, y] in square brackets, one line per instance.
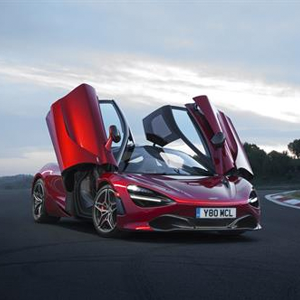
[114, 136]
[218, 139]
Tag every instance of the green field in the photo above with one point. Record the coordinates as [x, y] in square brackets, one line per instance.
[294, 195]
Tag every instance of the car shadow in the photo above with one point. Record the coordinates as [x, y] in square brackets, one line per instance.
[185, 237]
[182, 237]
[83, 226]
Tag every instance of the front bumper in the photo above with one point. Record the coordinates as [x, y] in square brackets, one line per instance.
[178, 223]
[182, 217]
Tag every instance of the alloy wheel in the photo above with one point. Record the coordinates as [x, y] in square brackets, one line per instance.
[105, 211]
[38, 199]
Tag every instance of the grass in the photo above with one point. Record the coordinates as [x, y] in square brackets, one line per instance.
[294, 195]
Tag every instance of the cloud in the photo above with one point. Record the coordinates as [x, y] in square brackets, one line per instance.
[243, 54]
[267, 132]
[151, 82]
[263, 113]
[29, 162]
[260, 37]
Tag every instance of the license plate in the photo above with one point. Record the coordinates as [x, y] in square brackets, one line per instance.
[215, 213]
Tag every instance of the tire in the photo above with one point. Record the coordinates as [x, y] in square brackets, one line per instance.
[39, 212]
[105, 213]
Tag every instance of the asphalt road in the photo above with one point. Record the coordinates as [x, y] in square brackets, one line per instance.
[69, 261]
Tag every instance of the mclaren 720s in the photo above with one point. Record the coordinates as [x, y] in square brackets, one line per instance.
[199, 184]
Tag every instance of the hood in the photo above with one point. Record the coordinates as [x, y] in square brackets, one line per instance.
[187, 188]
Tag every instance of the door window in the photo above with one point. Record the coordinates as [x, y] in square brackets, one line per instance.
[187, 127]
[111, 116]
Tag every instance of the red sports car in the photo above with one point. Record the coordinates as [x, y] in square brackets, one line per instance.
[201, 184]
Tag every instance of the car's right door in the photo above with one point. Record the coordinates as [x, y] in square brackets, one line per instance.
[79, 128]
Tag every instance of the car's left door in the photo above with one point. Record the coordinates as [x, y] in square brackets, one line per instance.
[205, 130]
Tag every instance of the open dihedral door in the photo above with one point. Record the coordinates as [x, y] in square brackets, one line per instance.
[228, 155]
[221, 150]
[78, 128]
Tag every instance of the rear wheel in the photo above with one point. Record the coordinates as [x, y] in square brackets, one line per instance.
[38, 204]
[105, 212]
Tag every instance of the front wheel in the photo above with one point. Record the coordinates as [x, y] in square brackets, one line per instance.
[105, 212]
[38, 204]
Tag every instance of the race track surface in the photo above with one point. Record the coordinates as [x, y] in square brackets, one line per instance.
[69, 261]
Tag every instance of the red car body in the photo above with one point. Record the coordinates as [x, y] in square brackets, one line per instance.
[83, 146]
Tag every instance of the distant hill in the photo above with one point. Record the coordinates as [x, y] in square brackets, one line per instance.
[21, 181]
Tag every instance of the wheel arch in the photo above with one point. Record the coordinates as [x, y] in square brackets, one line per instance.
[102, 183]
[35, 179]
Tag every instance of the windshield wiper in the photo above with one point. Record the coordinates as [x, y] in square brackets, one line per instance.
[162, 173]
[194, 171]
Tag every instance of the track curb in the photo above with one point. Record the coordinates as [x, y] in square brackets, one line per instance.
[279, 198]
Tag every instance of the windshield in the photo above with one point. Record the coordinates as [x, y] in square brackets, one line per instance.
[157, 160]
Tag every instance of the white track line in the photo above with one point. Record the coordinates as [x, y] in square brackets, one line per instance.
[271, 197]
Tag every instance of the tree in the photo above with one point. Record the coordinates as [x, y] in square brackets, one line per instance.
[257, 158]
[279, 164]
[269, 166]
[294, 147]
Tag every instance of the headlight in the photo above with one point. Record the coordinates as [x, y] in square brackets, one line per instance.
[253, 199]
[147, 198]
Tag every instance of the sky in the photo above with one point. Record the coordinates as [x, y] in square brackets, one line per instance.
[244, 55]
